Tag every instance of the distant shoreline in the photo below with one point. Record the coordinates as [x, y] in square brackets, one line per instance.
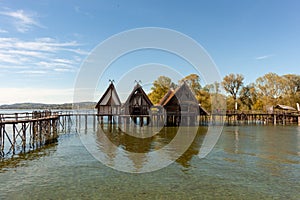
[30, 106]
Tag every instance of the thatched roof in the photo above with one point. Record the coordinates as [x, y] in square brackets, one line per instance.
[110, 97]
[138, 89]
[173, 93]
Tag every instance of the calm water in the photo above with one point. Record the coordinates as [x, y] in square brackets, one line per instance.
[248, 162]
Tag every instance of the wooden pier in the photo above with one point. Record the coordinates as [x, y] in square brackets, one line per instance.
[22, 132]
[255, 117]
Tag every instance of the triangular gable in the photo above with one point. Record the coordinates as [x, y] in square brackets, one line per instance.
[182, 93]
[138, 88]
[110, 97]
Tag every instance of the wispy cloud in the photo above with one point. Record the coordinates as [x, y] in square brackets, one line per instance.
[264, 57]
[22, 20]
[40, 54]
[3, 31]
[32, 72]
[80, 11]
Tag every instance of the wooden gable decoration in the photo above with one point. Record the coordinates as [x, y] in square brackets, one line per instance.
[109, 103]
[137, 102]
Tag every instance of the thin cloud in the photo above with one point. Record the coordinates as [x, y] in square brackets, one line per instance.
[32, 72]
[18, 67]
[264, 57]
[80, 11]
[3, 31]
[23, 21]
[40, 54]
[63, 70]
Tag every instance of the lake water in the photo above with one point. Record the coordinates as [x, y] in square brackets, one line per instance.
[248, 162]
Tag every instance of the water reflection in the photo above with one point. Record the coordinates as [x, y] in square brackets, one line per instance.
[298, 140]
[236, 141]
[276, 148]
[268, 148]
[115, 143]
[21, 159]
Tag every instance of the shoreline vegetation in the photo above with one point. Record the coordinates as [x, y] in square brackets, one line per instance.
[266, 92]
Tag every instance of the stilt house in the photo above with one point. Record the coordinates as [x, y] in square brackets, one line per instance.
[138, 104]
[109, 104]
[181, 106]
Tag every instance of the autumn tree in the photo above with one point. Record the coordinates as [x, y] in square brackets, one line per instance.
[193, 81]
[211, 98]
[232, 84]
[270, 88]
[160, 88]
[248, 96]
[291, 94]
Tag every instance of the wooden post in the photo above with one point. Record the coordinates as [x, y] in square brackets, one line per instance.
[85, 121]
[14, 137]
[119, 119]
[141, 121]
[24, 136]
[76, 121]
[33, 133]
[94, 122]
[54, 128]
[1, 138]
[110, 119]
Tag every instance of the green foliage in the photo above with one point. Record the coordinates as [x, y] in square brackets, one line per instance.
[160, 87]
[204, 98]
[248, 97]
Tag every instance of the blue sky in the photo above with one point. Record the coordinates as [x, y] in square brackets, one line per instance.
[44, 43]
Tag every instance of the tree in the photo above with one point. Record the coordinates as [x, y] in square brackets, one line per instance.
[193, 81]
[212, 99]
[270, 88]
[204, 98]
[160, 87]
[292, 89]
[232, 84]
[213, 88]
[248, 96]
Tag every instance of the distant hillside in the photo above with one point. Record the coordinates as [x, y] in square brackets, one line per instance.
[32, 106]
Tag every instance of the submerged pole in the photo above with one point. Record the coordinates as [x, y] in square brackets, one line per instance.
[298, 108]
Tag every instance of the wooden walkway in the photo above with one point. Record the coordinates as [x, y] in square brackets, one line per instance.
[216, 117]
[255, 117]
[22, 132]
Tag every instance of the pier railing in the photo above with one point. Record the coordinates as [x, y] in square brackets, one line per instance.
[27, 116]
[250, 112]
